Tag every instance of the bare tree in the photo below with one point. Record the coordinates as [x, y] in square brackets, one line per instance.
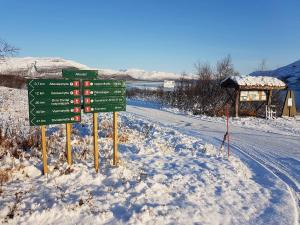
[225, 68]
[7, 49]
[263, 65]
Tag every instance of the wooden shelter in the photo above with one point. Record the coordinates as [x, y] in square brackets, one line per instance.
[261, 88]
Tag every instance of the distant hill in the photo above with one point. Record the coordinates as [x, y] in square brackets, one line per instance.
[33, 67]
[289, 74]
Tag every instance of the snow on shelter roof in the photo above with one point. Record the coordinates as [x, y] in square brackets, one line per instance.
[253, 82]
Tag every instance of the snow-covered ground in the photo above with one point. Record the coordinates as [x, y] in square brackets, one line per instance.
[171, 170]
[272, 145]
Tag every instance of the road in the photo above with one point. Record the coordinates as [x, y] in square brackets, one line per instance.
[276, 153]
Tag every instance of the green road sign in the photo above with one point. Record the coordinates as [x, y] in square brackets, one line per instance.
[104, 108]
[104, 96]
[79, 74]
[51, 83]
[58, 119]
[103, 92]
[104, 100]
[48, 93]
[57, 110]
[96, 84]
[54, 101]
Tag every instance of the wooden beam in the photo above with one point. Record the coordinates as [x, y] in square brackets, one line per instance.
[270, 98]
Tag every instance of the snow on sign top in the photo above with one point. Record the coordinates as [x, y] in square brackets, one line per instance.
[257, 81]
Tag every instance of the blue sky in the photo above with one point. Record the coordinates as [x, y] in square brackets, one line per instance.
[163, 35]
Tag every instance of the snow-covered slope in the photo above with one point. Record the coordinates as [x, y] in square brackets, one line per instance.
[51, 67]
[289, 74]
[32, 66]
[139, 74]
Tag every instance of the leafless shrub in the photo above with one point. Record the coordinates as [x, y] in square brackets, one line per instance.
[14, 208]
[204, 95]
[4, 176]
[7, 49]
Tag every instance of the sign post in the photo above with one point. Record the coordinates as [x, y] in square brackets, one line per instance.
[44, 150]
[105, 96]
[68, 143]
[115, 127]
[54, 101]
[96, 149]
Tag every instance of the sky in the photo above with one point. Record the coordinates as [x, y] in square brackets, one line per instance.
[160, 35]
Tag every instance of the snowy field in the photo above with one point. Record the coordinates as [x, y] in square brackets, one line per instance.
[171, 170]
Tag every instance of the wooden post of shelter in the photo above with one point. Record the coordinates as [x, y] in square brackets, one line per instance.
[270, 98]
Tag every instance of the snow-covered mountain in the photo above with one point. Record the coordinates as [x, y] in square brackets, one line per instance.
[34, 67]
[51, 67]
[289, 74]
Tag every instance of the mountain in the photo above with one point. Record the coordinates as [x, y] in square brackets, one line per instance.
[32, 67]
[290, 74]
[36, 67]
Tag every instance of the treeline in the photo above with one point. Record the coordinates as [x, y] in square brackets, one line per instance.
[204, 95]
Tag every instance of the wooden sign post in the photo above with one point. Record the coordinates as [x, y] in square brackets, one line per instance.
[68, 143]
[96, 149]
[115, 127]
[44, 151]
[54, 101]
[104, 96]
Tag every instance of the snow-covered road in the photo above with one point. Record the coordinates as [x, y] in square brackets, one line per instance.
[273, 153]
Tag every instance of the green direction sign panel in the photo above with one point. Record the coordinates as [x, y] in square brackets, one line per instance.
[104, 96]
[105, 100]
[53, 84]
[104, 92]
[104, 108]
[46, 120]
[97, 84]
[56, 110]
[54, 101]
[79, 74]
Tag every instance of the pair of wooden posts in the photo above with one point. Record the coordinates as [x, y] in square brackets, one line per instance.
[95, 143]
